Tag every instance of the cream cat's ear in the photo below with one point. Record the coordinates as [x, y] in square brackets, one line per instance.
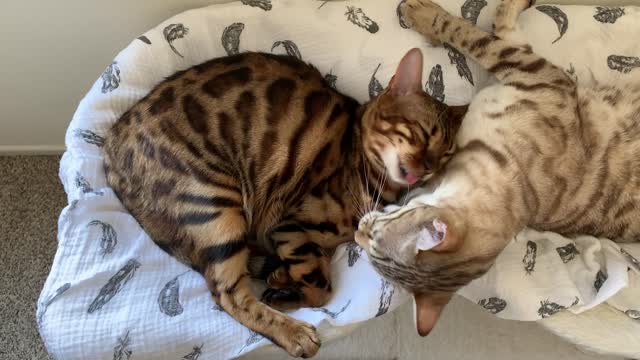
[437, 236]
[427, 309]
[408, 77]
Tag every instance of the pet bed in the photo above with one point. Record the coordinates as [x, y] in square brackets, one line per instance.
[113, 294]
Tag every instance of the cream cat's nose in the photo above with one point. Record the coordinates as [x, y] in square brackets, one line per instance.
[362, 239]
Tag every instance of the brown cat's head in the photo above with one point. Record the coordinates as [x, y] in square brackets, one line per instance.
[405, 131]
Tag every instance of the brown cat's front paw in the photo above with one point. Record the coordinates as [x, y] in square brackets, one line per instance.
[421, 15]
[299, 339]
[288, 298]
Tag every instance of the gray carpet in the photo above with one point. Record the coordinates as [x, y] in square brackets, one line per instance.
[31, 198]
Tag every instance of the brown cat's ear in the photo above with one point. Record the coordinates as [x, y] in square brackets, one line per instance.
[408, 77]
[427, 309]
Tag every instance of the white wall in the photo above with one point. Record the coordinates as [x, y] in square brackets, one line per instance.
[52, 51]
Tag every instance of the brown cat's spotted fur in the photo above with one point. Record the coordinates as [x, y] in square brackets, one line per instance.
[256, 150]
[535, 149]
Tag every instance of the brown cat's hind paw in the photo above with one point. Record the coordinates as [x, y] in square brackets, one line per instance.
[288, 298]
[278, 279]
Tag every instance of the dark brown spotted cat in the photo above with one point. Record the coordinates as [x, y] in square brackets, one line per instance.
[258, 151]
[535, 149]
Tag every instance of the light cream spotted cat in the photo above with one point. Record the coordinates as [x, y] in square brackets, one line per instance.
[535, 150]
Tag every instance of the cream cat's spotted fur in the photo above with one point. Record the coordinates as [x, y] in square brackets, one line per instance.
[534, 150]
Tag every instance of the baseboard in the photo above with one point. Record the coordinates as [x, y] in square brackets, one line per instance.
[12, 150]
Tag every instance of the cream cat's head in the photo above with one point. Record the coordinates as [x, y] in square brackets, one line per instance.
[406, 133]
[424, 250]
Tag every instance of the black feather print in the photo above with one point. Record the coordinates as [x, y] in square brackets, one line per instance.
[634, 314]
[357, 17]
[435, 84]
[623, 64]
[401, 19]
[548, 308]
[386, 295]
[575, 302]
[111, 78]
[572, 72]
[262, 4]
[122, 351]
[42, 309]
[567, 252]
[353, 253]
[144, 39]
[114, 285]
[90, 137]
[632, 260]
[608, 14]
[231, 38]
[493, 305]
[253, 338]
[601, 277]
[289, 46]
[72, 206]
[194, 354]
[529, 259]
[169, 298]
[84, 185]
[375, 88]
[558, 16]
[109, 238]
[471, 9]
[331, 79]
[460, 61]
[333, 314]
[174, 32]
[323, 4]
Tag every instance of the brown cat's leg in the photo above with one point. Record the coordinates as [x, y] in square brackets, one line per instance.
[306, 269]
[223, 257]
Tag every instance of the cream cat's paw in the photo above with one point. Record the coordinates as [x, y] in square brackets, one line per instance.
[421, 15]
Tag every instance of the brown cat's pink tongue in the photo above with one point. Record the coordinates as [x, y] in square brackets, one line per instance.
[411, 178]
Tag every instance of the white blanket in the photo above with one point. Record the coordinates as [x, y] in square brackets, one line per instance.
[113, 294]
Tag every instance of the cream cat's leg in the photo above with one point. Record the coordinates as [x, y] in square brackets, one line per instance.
[513, 64]
[507, 16]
